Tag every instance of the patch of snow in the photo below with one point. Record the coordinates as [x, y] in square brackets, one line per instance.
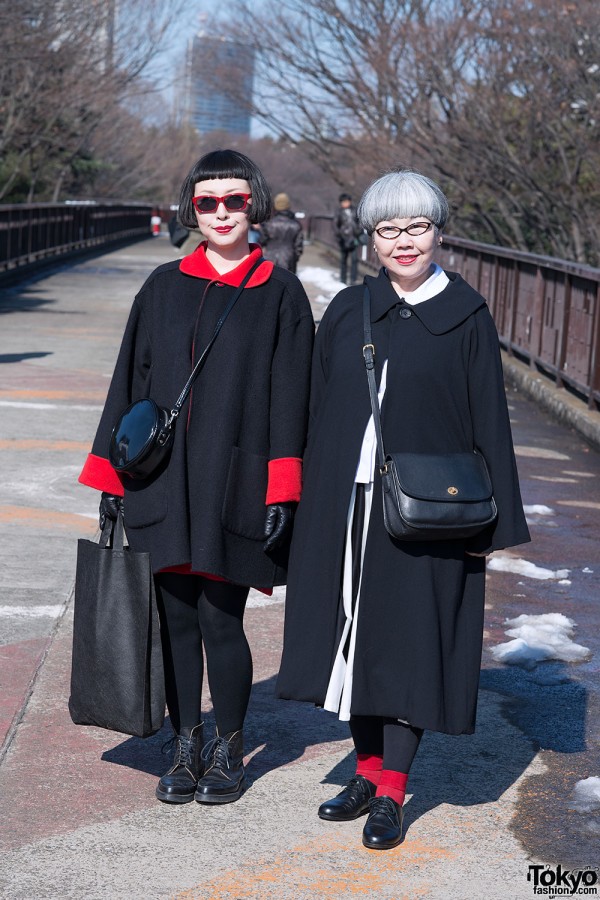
[324, 279]
[30, 612]
[503, 563]
[539, 638]
[537, 509]
[586, 794]
[588, 571]
[564, 581]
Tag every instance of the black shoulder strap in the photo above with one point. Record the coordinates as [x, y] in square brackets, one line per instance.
[369, 358]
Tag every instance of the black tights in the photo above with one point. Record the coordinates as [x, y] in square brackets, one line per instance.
[196, 611]
[394, 740]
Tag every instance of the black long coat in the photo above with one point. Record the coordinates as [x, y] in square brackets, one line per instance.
[249, 405]
[420, 618]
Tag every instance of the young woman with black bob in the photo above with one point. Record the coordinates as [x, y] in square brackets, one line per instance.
[217, 519]
[386, 633]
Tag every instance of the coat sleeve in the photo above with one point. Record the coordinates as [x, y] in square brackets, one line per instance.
[318, 379]
[130, 382]
[492, 436]
[298, 243]
[336, 223]
[290, 382]
[263, 236]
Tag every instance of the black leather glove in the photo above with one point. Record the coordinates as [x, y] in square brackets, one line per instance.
[109, 508]
[278, 524]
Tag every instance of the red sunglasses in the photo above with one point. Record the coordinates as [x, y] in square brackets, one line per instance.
[232, 203]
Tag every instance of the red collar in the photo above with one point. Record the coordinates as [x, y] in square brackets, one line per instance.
[197, 264]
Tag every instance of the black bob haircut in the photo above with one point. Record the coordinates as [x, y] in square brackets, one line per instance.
[225, 164]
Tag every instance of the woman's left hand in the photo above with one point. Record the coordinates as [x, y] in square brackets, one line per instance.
[278, 524]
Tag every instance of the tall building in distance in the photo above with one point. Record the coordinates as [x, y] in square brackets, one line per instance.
[219, 83]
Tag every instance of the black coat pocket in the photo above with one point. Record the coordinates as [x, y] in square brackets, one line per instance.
[244, 507]
[146, 501]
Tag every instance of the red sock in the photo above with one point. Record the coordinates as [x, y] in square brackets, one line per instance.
[392, 784]
[369, 767]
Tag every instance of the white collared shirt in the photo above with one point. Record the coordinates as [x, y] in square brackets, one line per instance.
[435, 284]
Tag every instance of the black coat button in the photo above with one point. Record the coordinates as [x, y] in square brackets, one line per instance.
[405, 312]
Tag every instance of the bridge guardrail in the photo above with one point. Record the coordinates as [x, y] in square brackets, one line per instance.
[546, 310]
[30, 232]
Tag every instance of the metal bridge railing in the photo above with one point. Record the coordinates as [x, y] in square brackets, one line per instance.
[546, 310]
[30, 232]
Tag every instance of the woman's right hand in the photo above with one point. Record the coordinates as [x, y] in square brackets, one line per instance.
[109, 508]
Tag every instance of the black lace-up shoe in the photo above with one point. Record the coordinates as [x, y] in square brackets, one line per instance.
[223, 779]
[350, 803]
[383, 828]
[178, 785]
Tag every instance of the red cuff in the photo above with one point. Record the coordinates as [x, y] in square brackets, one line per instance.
[98, 473]
[285, 480]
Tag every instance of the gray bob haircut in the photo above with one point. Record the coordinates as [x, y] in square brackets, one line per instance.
[402, 195]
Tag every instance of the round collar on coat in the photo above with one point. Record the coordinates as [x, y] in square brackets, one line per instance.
[439, 314]
[197, 264]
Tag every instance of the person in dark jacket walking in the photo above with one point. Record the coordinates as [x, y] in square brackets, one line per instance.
[347, 229]
[218, 518]
[281, 237]
[385, 633]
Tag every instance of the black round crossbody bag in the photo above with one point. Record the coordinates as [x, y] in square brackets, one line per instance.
[142, 438]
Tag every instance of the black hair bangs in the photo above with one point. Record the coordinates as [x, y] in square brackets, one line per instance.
[226, 164]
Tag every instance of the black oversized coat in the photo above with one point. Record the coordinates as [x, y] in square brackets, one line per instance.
[249, 405]
[420, 617]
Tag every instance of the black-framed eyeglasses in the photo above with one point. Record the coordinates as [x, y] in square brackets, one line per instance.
[232, 202]
[391, 232]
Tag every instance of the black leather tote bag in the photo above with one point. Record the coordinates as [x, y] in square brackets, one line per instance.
[117, 679]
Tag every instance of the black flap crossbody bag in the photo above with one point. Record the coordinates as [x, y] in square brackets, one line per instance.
[426, 496]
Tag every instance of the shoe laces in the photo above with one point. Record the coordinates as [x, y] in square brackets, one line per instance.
[218, 749]
[184, 751]
[385, 806]
[355, 788]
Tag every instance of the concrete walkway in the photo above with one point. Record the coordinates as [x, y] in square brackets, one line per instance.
[79, 818]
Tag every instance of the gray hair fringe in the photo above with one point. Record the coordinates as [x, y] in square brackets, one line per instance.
[402, 195]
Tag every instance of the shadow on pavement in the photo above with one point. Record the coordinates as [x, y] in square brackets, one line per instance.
[276, 733]
[517, 716]
[19, 357]
[546, 704]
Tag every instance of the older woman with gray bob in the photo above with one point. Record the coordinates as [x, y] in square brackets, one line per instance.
[387, 634]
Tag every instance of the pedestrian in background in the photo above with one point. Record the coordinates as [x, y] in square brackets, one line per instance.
[217, 519]
[281, 237]
[347, 230]
[155, 223]
[385, 633]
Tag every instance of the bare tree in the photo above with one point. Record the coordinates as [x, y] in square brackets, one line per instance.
[498, 99]
[65, 67]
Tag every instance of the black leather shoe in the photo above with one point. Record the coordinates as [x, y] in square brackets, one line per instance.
[178, 785]
[350, 803]
[223, 779]
[383, 828]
